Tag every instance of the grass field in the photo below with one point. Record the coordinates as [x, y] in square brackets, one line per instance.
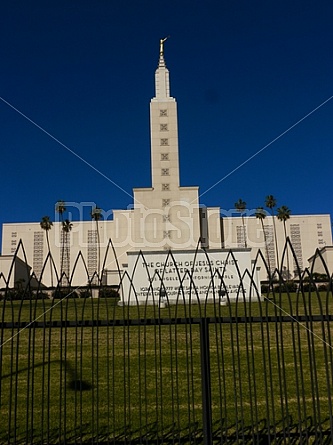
[145, 380]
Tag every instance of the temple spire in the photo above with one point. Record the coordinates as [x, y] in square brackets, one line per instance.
[162, 87]
[161, 62]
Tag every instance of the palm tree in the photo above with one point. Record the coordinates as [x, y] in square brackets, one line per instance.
[283, 214]
[270, 203]
[240, 206]
[261, 215]
[96, 215]
[46, 224]
[66, 228]
[61, 209]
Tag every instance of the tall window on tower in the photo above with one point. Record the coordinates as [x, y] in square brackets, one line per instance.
[163, 127]
[163, 113]
[164, 156]
[165, 172]
[164, 141]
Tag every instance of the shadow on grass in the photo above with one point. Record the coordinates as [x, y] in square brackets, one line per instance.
[73, 382]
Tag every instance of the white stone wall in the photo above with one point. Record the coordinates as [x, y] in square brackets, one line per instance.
[13, 270]
[306, 232]
[79, 241]
[132, 231]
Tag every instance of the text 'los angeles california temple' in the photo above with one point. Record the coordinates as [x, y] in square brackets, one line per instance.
[165, 217]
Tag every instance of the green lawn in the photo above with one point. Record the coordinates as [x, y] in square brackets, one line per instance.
[133, 380]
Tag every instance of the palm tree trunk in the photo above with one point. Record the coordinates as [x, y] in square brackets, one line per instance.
[285, 237]
[62, 237]
[266, 247]
[50, 256]
[244, 233]
[98, 252]
[68, 256]
[276, 243]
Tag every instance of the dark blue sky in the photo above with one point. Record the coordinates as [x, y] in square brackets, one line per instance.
[242, 73]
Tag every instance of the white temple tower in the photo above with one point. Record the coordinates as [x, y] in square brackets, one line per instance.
[171, 213]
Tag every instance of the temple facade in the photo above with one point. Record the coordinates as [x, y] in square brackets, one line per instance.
[164, 217]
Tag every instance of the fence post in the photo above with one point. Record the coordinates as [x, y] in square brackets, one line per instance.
[205, 382]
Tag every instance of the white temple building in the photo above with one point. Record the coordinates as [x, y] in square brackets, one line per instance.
[166, 216]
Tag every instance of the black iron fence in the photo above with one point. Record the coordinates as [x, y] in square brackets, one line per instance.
[246, 370]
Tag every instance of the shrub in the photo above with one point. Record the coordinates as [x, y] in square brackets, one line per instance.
[289, 286]
[64, 293]
[85, 293]
[323, 287]
[264, 288]
[320, 277]
[109, 292]
[309, 287]
[40, 295]
[317, 277]
[284, 287]
[14, 295]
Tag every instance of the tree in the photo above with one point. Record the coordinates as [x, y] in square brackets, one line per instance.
[261, 215]
[66, 228]
[46, 224]
[240, 206]
[270, 204]
[283, 214]
[96, 215]
[61, 209]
